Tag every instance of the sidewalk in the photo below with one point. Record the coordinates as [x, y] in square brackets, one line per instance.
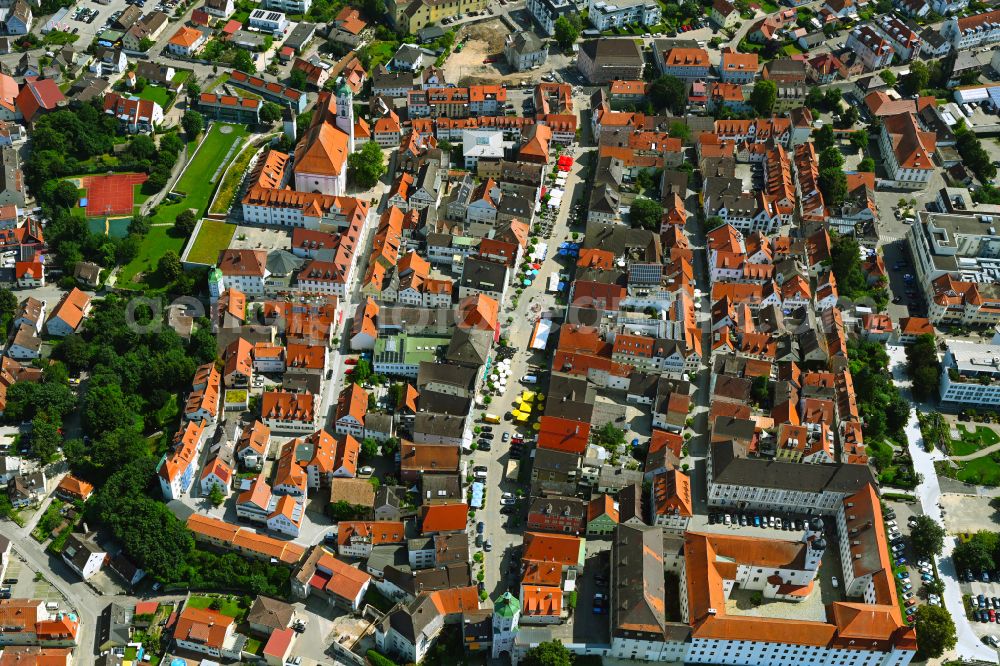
[929, 493]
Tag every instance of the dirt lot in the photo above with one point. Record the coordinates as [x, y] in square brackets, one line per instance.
[964, 513]
[482, 41]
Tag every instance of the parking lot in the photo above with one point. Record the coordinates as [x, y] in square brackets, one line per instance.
[918, 572]
[27, 587]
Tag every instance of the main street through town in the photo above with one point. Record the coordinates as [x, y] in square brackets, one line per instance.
[502, 531]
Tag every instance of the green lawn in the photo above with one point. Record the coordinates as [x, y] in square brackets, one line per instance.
[253, 646]
[983, 471]
[222, 78]
[229, 606]
[155, 94]
[181, 75]
[155, 244]
[197, 182]
[59, 38]
[791, 49]
[213, 237]
[970, 442]
[381, 52]
[197, 185]
[768, 7]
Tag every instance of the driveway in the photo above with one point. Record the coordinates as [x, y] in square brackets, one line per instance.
[929, 494]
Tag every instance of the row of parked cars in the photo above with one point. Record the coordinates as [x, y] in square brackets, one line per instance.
[601, 598]
[757, 520]
[986, 609]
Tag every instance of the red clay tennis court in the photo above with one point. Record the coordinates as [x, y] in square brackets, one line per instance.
[111, 194]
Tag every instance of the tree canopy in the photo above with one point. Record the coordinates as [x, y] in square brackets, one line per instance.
[366, 166]
[646, 214]
[922, 364]
[550, 653]
[935, 631]
[193, 123]
[609, 436]
[763, 96]
[927, 536]
[567, 30]
[884, 410]
[668, 93]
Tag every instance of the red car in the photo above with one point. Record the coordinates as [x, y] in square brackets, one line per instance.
[351, 361]
[993, 615]
[348, 371]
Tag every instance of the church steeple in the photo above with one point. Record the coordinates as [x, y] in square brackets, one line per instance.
[345, 111]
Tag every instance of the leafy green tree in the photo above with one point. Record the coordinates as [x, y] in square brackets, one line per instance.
[550, 653]
[833, 185]
[105, 408]
[202, 347]
[244, 61]
[680, 130]
[366, 166]
[927, 536]
[169, 266]
[859, 139]
[977, 554]
[815, 99]
[26, 399]
[270, 113]
[567, 31]
[668, 93]
[141, 147]
[763, 96]
[867, 164]
[760, 390]
[128, 249]
[832, 97]
[362, 371]
[916, 80]
[831, 159]
[185, 223]
[888, 76]
[646, 214]
[171, 145]
[609, 436]
[192, 89]
[62, 193]
[8, 308]
[369, 448]
[216, 496]
[139, 225]
[45, 438]
[298, 79]
[343, 510]
[935, 631]
[922, 364]
[824, 138]
[849, 117]
[193, 123]
[987, 194]
[373, 9]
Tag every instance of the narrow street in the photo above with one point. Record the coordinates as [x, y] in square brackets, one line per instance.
[698, 445]
[929, 494]
[505, 532]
